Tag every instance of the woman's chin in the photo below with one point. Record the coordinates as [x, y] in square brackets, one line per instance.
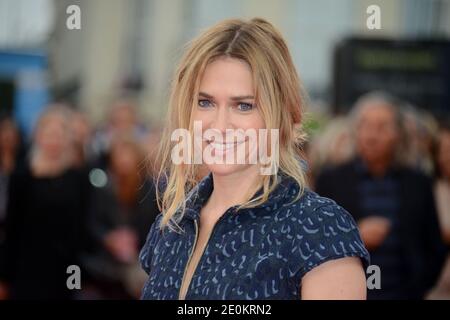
[226, 169]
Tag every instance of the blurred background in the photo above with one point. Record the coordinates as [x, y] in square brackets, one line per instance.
[82, 109]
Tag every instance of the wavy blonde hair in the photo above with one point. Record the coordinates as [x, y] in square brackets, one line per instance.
[279, 95]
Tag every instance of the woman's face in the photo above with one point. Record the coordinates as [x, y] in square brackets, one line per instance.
[226, 101]
[124, 160]
[52, 137]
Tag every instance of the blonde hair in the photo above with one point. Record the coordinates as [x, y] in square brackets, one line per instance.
[279, 96]
[59, 112]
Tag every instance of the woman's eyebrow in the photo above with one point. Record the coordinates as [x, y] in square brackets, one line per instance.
[205, 95]
[236, 98]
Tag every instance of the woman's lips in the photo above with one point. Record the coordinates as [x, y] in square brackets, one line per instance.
[223, 147]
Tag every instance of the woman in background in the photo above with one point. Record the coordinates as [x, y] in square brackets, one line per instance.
[122, 209]
[45, 223]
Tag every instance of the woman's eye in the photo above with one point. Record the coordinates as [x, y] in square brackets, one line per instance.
[245, 106]
[204, 103]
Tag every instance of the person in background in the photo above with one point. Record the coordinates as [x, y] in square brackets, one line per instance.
[393, 204]
[9, 151]
[332, 147]
[82, 134]
[122, 209]
[9, 145]
[421, 129]
[45, 223]
[122, 120]
[442, 195]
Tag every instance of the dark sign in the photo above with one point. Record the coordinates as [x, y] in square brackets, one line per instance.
[415, 71]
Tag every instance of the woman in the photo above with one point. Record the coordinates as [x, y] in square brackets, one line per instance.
[243, 232]
[45, 223]
[121, 212]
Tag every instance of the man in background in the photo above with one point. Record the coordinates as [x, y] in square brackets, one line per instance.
[393, 204]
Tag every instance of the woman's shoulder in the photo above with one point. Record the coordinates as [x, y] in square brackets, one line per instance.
[307, 208]
[310, 207]
[319, 215]
[322, 230]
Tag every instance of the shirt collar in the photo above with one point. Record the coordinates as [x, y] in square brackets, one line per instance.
[199, 194]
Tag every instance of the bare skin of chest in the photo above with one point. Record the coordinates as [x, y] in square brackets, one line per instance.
[207, 222]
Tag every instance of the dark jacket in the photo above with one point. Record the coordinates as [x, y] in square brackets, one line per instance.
[45, 233]
[253, 253]
[107, 214]
[418, 225]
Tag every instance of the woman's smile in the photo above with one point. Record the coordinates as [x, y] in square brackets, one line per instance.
[223, 147]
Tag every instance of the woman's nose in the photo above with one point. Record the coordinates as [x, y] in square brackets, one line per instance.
[221, 120]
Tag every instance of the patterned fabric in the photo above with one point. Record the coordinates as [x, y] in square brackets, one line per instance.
[255, 253]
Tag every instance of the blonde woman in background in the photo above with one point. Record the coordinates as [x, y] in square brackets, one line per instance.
[45, 223]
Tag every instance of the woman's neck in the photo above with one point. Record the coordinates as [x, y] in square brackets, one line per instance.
[7, 162]
[42, 166]
[234, 189]
[127, 187]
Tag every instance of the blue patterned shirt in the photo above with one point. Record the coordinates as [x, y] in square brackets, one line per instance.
[253, 253]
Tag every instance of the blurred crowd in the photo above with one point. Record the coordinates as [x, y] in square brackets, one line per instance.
[388, 163]
[75, 195]
[79, 195]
